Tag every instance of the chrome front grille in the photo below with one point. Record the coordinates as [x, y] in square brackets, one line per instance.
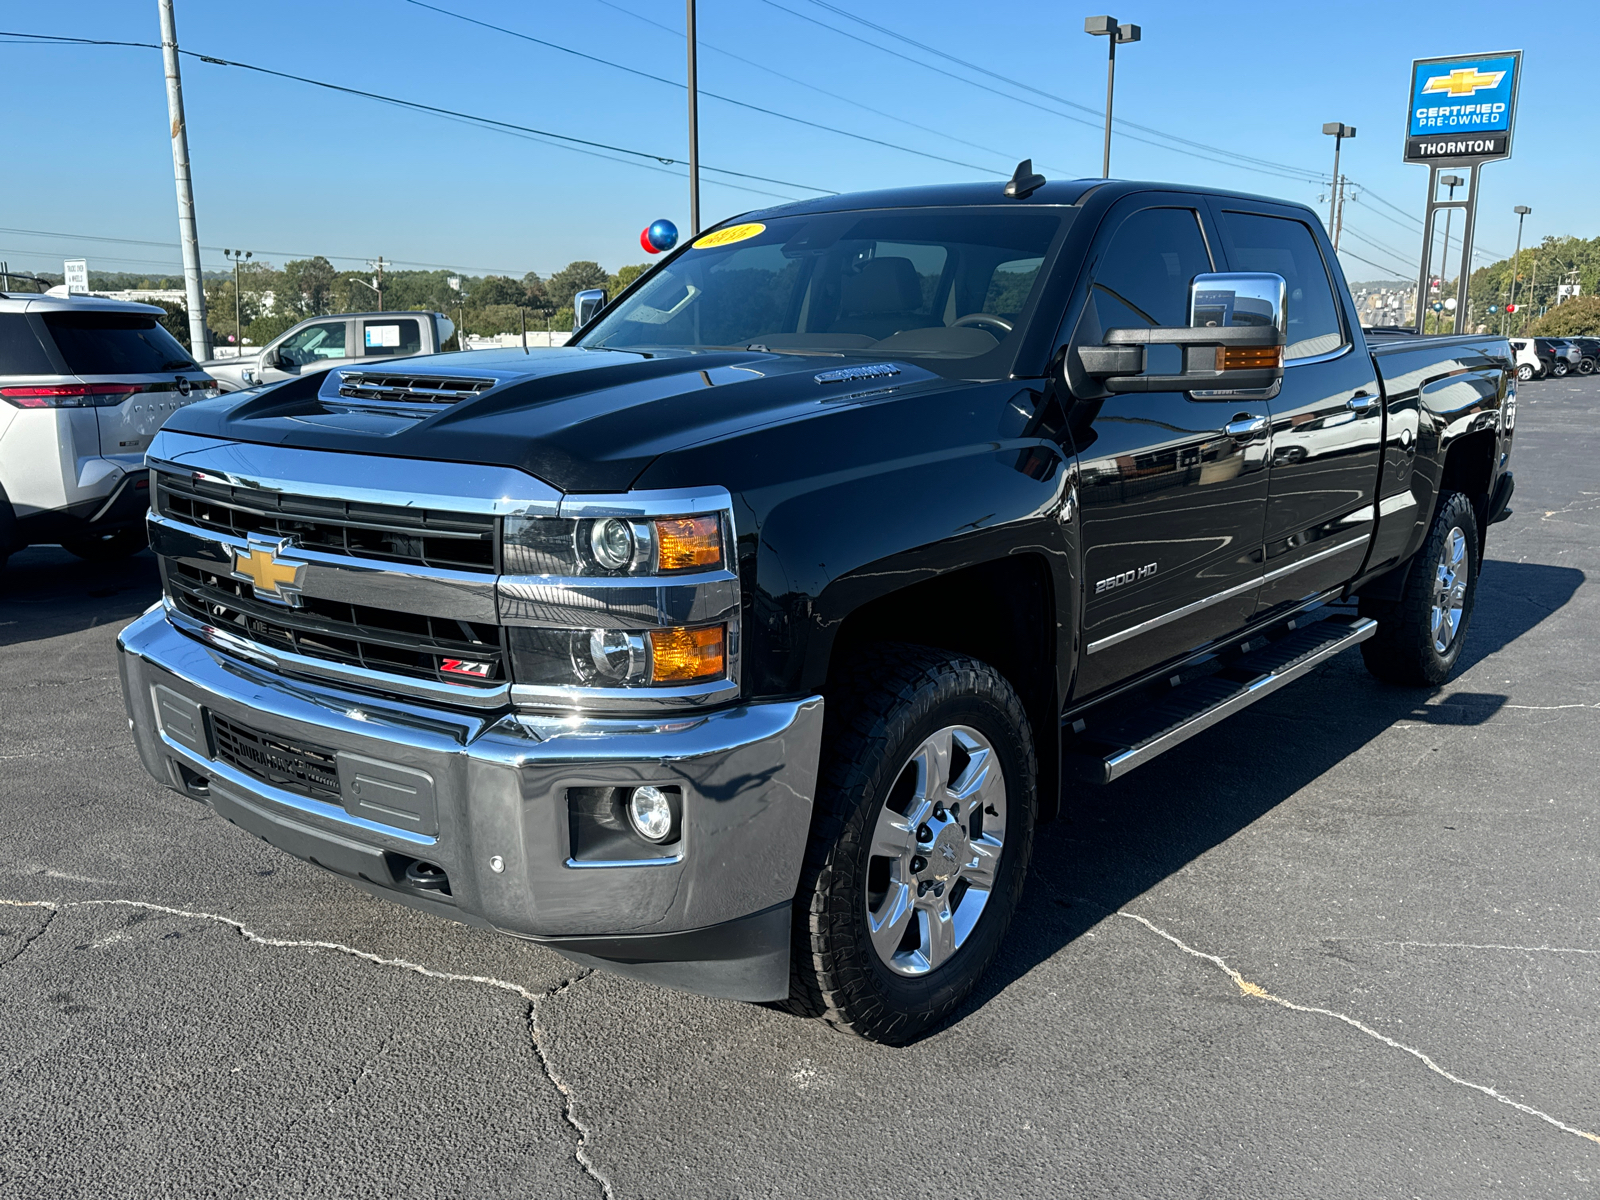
[389, 391]
[390, 533]
[440, 649]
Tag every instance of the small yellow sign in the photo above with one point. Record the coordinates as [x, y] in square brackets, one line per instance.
[730, 235]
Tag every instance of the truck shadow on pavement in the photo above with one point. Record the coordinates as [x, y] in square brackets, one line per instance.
[46, 592]
[1114, 844]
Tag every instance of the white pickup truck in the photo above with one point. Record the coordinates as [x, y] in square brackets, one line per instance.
[321, 342]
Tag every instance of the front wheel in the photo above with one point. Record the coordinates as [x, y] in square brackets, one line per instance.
[1585, 366]
[920, 843]
[1420, 636]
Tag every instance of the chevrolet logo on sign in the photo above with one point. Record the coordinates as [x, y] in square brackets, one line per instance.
[1464, 81]
[274, 577]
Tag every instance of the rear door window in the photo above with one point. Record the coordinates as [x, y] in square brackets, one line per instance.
[108, 343]
[1286, 247]
[391, 337]
[20, 351]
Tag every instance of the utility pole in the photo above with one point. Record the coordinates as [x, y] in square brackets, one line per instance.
[1522, 211]
[379, 286]
[237, 256]
[1108, 28]
[694, 128]
[1338, 131]
[1338, 221]
[188, 233]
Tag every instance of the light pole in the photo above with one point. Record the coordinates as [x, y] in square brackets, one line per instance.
[1338, 132]
[694, 127]
[1522, 211]
[1452, 182]
[188, 233]
[1108, 28]
[237, 256]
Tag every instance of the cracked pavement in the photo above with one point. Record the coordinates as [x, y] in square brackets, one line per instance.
[1344, 944]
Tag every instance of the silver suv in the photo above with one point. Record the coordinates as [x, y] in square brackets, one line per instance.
[85, 384]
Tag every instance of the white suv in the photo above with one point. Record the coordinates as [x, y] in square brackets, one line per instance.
[84, 385]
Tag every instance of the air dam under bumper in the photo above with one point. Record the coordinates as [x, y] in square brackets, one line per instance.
[464, 790]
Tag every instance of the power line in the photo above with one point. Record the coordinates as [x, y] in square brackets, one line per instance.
[750, 62]
[1244, 162]
[1094, 112]
[569, 142]
[1352, 254]
[770, 112]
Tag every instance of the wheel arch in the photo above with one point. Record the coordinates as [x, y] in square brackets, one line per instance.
[1002, 612]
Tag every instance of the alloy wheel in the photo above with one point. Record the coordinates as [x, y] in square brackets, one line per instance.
[935, 851]
[1450, 590]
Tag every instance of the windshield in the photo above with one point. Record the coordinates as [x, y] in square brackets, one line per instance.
[109, 343]
[948, 286]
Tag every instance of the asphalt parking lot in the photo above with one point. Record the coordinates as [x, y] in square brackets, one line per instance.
[1345, 944]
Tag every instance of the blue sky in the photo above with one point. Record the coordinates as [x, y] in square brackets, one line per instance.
[288, 170]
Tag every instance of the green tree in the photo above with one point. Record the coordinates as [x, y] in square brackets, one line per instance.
[625, 276]
[309, 286]
[1579, 317]
[572, 279]
[264, 328]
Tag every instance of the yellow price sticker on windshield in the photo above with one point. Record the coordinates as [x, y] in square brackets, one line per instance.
[730, 235]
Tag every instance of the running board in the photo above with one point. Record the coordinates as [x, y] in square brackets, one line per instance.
[1105, 755]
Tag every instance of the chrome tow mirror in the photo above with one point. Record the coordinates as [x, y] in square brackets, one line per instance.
[584, 306]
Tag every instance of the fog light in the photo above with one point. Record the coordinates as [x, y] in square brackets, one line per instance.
[650, 810]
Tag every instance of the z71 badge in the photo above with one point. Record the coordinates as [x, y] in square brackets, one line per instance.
[1125, 578]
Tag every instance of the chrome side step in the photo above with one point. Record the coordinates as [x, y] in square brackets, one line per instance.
[1102, 755]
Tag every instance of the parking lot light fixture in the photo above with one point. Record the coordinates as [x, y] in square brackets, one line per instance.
[1522, 211]
[1114, 33]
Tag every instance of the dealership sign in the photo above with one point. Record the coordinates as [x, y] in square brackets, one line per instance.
[1463, 108]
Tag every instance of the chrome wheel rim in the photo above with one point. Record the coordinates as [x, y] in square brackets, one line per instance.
[935, 853]
[1450, 590]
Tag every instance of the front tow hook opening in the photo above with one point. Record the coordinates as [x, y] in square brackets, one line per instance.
[194, 784]
[425, 876]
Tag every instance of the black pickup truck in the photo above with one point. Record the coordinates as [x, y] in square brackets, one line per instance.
[740, 644]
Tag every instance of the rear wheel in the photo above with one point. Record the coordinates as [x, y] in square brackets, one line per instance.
[919, 847]
[1420, 636]
[109, 547]
[1559, 369]
[1524, 372]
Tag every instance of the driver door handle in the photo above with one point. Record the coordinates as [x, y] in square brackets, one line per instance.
[1245, 427]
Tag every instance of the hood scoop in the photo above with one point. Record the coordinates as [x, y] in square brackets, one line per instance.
[399, 394]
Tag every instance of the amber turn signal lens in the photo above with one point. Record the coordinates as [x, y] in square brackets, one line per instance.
[683, 542]
[685, 655]
[1249, 358]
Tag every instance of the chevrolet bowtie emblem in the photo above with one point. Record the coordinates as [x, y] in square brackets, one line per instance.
[273, 577]
[1465, 81]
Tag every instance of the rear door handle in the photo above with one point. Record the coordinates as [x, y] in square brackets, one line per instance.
[1362, 403]
[1245, 427]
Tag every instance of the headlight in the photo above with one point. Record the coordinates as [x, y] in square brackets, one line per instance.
[618, 658]
[613, 545]
[622, 603]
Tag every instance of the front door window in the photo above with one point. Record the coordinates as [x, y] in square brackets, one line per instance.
[315, 343]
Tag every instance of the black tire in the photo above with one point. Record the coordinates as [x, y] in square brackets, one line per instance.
[899, 700]
[1585, 366]
[1405, 650]
[1524, 372]
[109, 547]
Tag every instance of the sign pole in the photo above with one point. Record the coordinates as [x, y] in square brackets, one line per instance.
[1471, 219]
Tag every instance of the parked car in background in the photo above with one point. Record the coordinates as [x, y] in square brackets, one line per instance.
[85, 384]
[1590, 349]
[344, 338]
[1559, 354]
[1530, 365]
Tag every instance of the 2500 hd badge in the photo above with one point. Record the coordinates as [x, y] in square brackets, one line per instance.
[667, 651]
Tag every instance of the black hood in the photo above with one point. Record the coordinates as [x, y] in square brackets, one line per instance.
[581, 420]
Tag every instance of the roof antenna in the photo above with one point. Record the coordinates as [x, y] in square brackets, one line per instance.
[1024, 183]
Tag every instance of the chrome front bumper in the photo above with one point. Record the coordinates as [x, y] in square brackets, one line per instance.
[488, 803]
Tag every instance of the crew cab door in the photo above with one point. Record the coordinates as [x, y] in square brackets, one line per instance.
[1327, 420]
[1173, 488]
